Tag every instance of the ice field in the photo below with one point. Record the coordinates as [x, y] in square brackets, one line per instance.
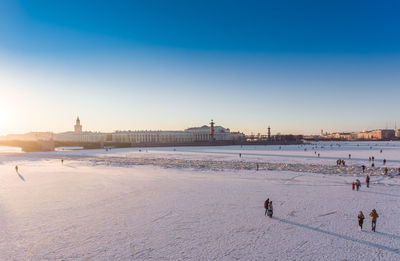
[200, 203]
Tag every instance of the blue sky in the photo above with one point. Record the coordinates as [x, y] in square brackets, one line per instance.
[299, 66]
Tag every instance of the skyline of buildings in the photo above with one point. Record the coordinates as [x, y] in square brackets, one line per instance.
[192, 134]
[381, 134]
[263, 131]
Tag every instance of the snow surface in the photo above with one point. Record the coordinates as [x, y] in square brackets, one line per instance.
[198, 203]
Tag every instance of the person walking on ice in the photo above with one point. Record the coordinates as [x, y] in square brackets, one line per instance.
[270, 211]
[358, 184]
[16, 168]
[266, 203]
[374, 216]
[360, 219]
[367, 180]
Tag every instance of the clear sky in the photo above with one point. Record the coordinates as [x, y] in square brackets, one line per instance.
[299, 66]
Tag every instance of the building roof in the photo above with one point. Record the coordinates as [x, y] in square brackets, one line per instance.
[151, 132]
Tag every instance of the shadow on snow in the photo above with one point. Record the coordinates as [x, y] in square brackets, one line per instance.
[360, 241]
[20, 176]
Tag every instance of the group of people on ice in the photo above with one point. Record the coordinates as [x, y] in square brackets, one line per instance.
[340, 162]
[372, 159]
[357, 183]
[269, 210]
[374, 216]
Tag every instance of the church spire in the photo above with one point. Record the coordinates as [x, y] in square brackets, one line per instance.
[78, 126]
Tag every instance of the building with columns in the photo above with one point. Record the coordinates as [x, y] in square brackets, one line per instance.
[209, 133]
[190, 135]
[152, 137]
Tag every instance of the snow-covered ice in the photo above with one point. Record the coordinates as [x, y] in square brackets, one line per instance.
[199, 203]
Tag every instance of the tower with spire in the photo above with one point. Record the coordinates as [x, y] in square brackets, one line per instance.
[212, 130]
[78, 126]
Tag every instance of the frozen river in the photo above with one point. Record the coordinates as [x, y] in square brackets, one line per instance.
[198, 203]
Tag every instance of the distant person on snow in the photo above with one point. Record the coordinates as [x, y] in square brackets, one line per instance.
[353, 185]
[373, 165]
[373, 158]
[384, 161]
[374, 215]
[360, 219]
[16, 168]
[240, 155]
[363, 168]
[62, 161]
[349, 156]
[386, 170]
[367, 180]
[270, 211]
[343, 163]
[369, 159]
[266, 203]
